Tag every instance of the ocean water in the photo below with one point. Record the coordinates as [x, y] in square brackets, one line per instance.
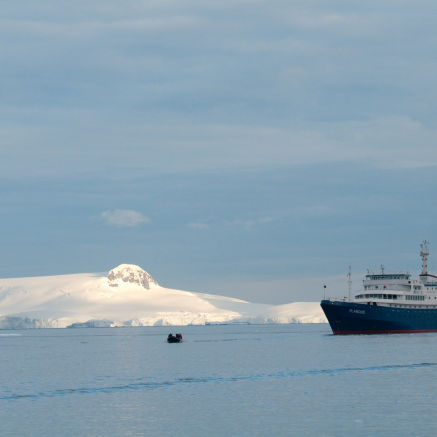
[234, 380]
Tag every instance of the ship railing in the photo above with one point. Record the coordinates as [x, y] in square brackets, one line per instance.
[337, 298]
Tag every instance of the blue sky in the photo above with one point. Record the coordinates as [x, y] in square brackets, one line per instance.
[249, 148]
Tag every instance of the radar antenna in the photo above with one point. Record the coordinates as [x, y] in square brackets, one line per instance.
[424, 253]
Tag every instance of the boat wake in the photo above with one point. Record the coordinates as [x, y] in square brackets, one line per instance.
[156, 385]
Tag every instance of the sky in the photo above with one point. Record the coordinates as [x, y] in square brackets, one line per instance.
[249, 148]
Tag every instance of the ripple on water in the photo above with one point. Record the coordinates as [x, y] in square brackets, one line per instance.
[152, 385]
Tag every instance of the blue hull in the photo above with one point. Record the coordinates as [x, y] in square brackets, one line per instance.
[356, 318]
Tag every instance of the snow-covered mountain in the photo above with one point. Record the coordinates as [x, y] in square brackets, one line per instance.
[129, 296]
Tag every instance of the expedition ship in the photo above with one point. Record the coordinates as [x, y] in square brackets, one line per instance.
[388, 303]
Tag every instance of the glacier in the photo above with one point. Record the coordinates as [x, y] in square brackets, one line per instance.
[130, 296]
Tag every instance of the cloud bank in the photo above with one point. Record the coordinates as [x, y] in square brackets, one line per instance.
[273, 140]
[186, 86]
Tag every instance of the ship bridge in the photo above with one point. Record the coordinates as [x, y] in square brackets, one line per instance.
[387, 281]
[388, 277]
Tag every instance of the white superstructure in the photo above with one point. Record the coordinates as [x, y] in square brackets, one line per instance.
[399, 290]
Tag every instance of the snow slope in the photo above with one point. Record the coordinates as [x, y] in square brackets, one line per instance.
[129, 296]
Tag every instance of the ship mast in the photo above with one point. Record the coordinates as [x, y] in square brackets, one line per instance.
[349, 282]
[424, 253]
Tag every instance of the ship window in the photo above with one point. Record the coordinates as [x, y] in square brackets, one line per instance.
[409, 297]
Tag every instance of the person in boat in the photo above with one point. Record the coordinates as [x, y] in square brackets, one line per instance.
[174, 338]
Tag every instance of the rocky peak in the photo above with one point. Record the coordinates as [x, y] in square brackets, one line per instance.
[130, 273]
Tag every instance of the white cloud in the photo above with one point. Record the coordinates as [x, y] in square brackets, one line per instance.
[124, 218]
[83, 29]
[198, 225]
[392, 142]
[249, 223]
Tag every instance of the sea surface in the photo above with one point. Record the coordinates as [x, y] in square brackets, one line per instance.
[233, 380]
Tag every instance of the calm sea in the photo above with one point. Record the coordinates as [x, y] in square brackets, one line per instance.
[234, 380]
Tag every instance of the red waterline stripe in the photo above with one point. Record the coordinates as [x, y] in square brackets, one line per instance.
[385, 331]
